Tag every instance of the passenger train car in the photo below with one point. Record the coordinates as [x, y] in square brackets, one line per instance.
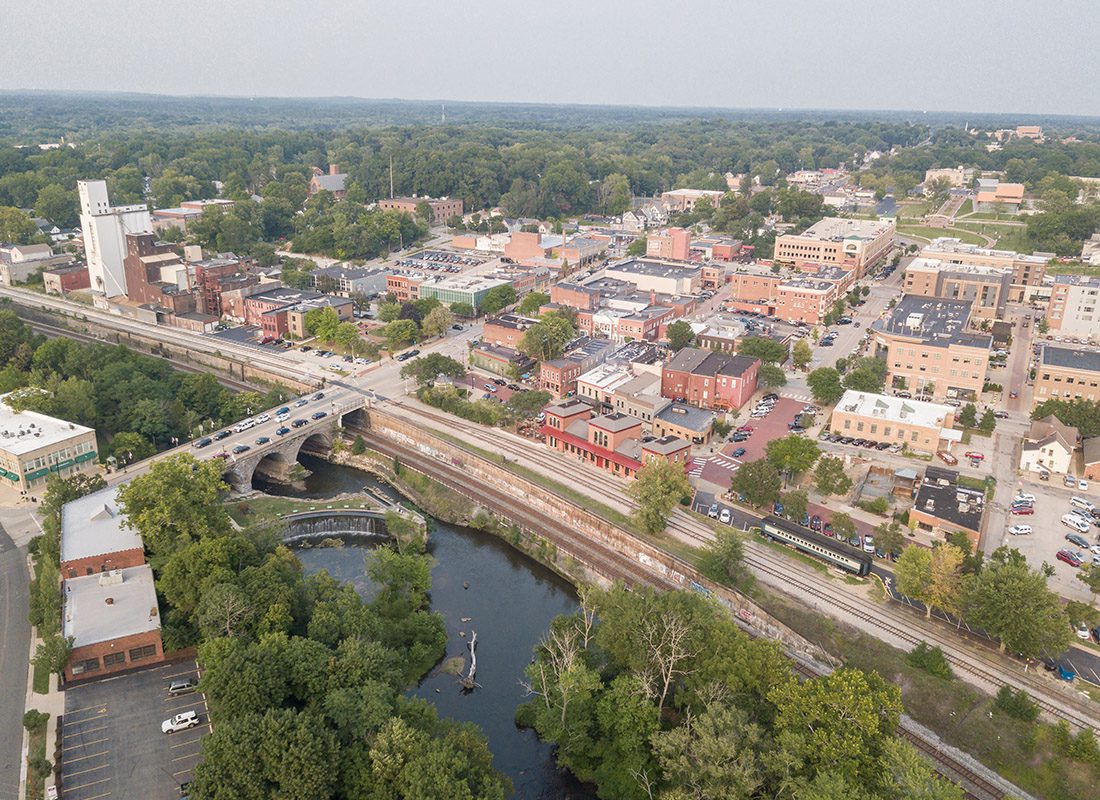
[836, 553]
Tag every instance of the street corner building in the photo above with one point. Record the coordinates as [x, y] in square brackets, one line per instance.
[34, 446]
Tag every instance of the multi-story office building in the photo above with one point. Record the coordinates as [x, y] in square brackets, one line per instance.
[105, 227]
[1074, 308]
[1027, 270]
[929, 351]
[657, 276]
[34, 446]
[987, 288]
[1067, 374]
[470, 290]
[853, 244]
[673, 244]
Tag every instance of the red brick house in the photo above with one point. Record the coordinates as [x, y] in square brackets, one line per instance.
[710, 379]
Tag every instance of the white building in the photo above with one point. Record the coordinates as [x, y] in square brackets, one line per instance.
[1049, 446]
[105, 227]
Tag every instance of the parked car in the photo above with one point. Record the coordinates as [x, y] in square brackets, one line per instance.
[947, 458]
[1069, 481]
[1074, 522]
[1022, 511]
[1083, 631]
[740, 451]
[1070, 557]
[203, 442]
[1082, 503]
[815, 523]
[1082, 484]
[182, 686]
[1020, 530]
[1024, 496]
[975, 456]
[713, 512]
[180, 722]
[724, 517]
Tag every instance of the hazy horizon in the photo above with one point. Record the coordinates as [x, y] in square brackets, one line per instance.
[842, 56]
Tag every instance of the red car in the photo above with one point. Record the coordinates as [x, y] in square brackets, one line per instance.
[975, 456]
[1023, 511]
[1070, 557]
[746, 429]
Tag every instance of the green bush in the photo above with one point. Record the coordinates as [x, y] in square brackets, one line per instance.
[35, 720]
[880, 505]
[931, 660]
[359, 446]
[1017, 705]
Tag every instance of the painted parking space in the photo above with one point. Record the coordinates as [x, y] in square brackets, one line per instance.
[111, 739]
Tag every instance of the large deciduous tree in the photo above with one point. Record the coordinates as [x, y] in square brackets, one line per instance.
[758, 481]
[657, 489]
[830, 478]
[792, 453]
[824, 383]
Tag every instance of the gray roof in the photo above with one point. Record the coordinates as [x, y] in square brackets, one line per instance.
[110, 605]
[1092, 450]
[93, 525]
[665, 445]
[614, 422]
[1070, 359]
[707, 362]
[685, 416]
[332, 183]
[933, 320]
[563, 408]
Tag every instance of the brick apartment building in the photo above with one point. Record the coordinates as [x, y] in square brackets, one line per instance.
[62, 280]
[673, 244]
[404, 288]
[506, 330]
[1028, 271]
[710, 380]
[987, 288]
[442, 209]
[856, 245]
[214, 276]
[1066, 374]
[929, 351]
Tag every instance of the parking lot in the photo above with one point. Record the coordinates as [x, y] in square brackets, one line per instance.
[1049, 534]
[440, 261]
[773, 426]
[112, 745]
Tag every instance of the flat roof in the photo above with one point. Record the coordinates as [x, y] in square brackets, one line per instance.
[939, 265]
[941, 496]
[836, 229]
[93, 525]
[947, 244]
[26, 431]
[936, 321]
[1069, 358]
[894, 409]
[605, 376]
[685, 416]
[467, 283]
[1091, 281]
[110, 605]
[660, 269]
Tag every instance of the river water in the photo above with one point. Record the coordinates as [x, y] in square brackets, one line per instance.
[510, 601]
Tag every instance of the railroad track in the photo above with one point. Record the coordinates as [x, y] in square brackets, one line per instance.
[615, 565]
[762, 560]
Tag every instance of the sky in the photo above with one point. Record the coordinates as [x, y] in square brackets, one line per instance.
[935, 55]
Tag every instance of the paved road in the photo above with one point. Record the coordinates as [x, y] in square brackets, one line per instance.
[15, 635]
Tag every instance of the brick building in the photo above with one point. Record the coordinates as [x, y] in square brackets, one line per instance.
[673, 244]
[442, 209]
[404, 287]
[856, 245]
[1028, 271]
[335, 182]
[987, 288]
[710, 380]
[943, 507]
[214, 276]
[62, 280]
[506, 330]
[1074, 308]
[923, 427]
[1066, 374]
[93, 538]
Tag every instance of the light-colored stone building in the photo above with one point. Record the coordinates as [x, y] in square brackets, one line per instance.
[924, 427]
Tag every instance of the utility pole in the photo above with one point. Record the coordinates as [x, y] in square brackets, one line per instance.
[391, 176]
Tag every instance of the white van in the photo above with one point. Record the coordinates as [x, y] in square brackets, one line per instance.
[1081, 502]
[1075, 522]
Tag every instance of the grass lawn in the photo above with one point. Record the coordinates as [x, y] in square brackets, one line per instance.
[41, 680]
[1028, 754]
[923, 232]
[914, 210]
[1073, 269]
[966, 208]
[36, 749]
[267, 509]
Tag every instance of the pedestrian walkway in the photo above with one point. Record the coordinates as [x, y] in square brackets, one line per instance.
[805, 398]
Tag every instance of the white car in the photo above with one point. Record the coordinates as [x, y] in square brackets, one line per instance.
[180, 722]
[1082, 484]
[1083, 631]
[724, 517]
[1020, 530]
[263, 418]
[868, 544]
[1024, 496]
[713, 511]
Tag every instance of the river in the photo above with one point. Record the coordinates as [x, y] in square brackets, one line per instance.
[510, 601]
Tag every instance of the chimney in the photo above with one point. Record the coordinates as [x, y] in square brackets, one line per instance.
[652, 297]
[333, 169]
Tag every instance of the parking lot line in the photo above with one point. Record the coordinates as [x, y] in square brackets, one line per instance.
[93, 741]
[186, 756]
[83, 771]
[81, 758]
[83, 785]
[192, 741]
[182, 772]
[85, 731]
[99, 708]
[98, 796]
